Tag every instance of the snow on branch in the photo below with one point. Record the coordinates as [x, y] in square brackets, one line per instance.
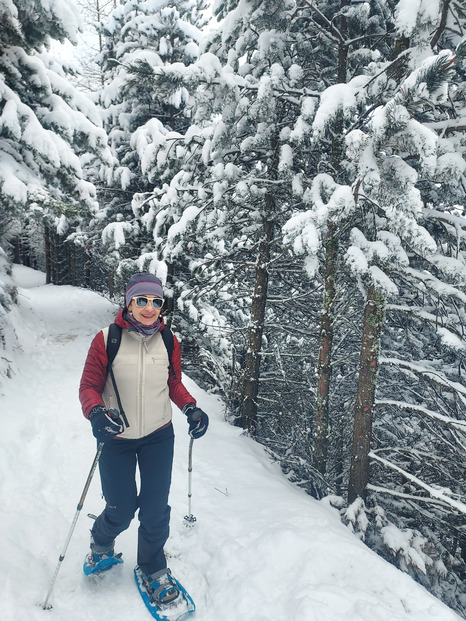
[432, 374]
[439, 494]
[436, 285]
[337, 101]
[448, 126]
[457, 222]
[450, 336]
[115, 233]
[458, 425]
[409, 497]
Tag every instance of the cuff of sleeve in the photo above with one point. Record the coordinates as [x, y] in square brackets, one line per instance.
[187, 407]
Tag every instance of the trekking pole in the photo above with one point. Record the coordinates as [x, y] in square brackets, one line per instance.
[190, 519]
[45, 605]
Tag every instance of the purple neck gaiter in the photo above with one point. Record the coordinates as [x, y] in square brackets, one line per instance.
[140, 327]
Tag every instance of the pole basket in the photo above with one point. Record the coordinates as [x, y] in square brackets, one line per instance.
[189, 520]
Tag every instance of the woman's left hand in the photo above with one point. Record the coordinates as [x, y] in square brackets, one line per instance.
[197, 419]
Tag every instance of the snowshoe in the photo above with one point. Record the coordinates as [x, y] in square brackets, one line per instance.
[165, 598]
[98, 561]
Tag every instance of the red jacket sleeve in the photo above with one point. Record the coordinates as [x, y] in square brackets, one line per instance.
[178, 392]
[94, 375]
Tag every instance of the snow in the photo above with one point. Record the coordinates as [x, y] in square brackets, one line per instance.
[338, 99]
[452, 340]
[261, 548]
[408, 10]
[115, 231]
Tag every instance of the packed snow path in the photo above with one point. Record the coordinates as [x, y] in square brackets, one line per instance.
[261, 549]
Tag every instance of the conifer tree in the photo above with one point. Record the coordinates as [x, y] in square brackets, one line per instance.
[399, 167]
[140, 39]
[8, 297]
[228, 203]
[46, 126]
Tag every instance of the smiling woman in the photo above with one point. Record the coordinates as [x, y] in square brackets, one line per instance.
[145, 378]
[145, 309]
[139, 290]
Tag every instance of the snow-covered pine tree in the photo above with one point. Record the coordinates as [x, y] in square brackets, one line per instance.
[336, 42]
[426, 365]
[226, 206]
[45, 124]
[89, 76]
[399, 168]
[140, 39]
[400, 208]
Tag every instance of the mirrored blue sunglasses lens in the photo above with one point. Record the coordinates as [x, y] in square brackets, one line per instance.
[142, 301]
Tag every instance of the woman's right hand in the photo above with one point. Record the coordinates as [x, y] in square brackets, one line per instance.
[106, 424]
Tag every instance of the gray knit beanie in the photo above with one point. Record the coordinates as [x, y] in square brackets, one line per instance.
[143, 284]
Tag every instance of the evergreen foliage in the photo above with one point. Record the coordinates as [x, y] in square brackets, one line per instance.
[140, 38]
[46, 125]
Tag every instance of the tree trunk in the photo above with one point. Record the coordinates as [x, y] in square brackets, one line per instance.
[343, 46]
[48, 255]
[111, 283]
[87, 267]
[324, 368]
[250, 384]
[74, 273]
[69, 262]
[56, 253]
[374, 318]
[17, 250]
[170, 302]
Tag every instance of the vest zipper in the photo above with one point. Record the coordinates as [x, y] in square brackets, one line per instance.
[141, 388]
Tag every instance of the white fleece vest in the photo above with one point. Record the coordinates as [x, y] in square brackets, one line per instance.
[141, 374]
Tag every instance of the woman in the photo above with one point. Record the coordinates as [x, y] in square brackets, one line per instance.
[146, 380]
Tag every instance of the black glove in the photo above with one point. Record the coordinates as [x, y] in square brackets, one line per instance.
[105, 423]
[197, 419]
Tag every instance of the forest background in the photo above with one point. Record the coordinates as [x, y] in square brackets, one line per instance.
[294, 171]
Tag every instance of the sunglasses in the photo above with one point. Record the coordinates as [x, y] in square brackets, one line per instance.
[142, 301]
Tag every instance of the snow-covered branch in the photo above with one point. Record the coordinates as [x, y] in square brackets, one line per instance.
[448, 125]
[458, 425]
[455, 221]
[439, 494]
[450, 335]
[409, 497]
[432, 374]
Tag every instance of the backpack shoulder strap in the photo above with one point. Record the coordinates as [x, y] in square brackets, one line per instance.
[113, 342]
[168, 341]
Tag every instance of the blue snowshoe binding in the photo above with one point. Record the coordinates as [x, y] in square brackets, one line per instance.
[100, 559]
[165, 598]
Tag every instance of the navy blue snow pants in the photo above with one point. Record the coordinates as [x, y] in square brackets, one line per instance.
[154, 456]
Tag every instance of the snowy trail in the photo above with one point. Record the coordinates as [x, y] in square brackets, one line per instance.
[261, 550]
